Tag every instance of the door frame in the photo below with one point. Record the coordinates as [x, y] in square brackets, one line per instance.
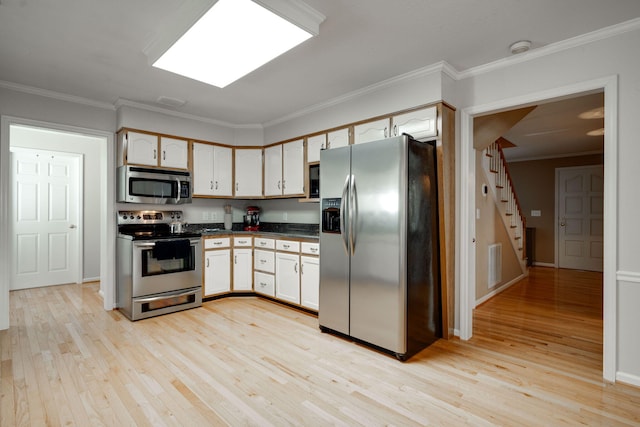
[556, 229]
[107, 208]
[79, 235]
[465, 222]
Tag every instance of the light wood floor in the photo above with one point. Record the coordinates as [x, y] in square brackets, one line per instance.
[535, 359]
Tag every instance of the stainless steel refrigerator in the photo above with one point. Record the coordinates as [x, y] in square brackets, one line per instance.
[379, 264]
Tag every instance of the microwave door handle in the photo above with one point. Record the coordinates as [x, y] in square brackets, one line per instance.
[179, 190]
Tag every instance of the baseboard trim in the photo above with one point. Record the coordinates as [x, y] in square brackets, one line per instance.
[497, 290]
[544, 264]
[630, 379]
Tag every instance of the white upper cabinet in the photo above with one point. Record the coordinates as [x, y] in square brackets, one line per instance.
[174, 153]
[212, 170]
[142, 148]
[222, 171]
[248, 176]
[273, 170]
[338, 138]
[293, 168]
[152, 150]
[284, 169]
[419, 124]
[314, 145]
[202, 169]
[371, 131]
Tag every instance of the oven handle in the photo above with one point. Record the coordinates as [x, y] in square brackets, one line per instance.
[152, 244]
[161, 297]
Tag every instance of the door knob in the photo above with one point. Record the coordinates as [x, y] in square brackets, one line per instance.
[72, 226]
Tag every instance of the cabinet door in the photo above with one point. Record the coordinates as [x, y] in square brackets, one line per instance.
[264, 284]
[288, 277]
[309, 281]
[242, 269]
[202, 169]
[419, 124]
[293, 168]
[142, 149]
[174, 153]
[264, 261]
[222, 171]
[217, 272]
[248, 175]
[273, 170]
[371, 131]
[338, 138]
[314, 145]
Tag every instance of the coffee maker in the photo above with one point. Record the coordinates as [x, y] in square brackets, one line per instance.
[252, 219]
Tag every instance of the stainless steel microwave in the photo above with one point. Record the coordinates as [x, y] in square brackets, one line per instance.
[154, 186]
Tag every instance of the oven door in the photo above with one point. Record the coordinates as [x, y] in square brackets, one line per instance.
[154, 274]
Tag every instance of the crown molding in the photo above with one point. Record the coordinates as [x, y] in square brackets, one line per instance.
[141, 106]
[16, 87]
[594, 36]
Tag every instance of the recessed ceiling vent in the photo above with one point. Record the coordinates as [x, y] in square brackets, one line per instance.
[520, 47]
[171, 102]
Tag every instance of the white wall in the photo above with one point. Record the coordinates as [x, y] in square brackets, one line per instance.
[614, 56]
[89, 147]
[407, 91]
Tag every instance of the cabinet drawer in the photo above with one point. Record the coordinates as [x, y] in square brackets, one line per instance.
[287, 245]
[218, 242]
[264, 261]
[311, 248]
[261, 242]
[241, 241]
[264, 284]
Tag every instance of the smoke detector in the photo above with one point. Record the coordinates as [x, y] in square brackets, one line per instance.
[520, 47]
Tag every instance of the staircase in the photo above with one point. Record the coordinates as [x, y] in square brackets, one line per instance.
[501, 187]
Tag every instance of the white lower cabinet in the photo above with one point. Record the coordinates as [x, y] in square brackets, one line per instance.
[264, 284]
[288, 277]
[217, 272]
[309, 282]
[242, 269]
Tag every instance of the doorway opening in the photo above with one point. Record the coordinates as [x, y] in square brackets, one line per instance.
[468, 222]
[103, 231]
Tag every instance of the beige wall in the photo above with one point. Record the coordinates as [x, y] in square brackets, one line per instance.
[534, 181]
[490, 229]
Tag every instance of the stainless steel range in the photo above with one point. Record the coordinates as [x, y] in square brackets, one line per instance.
[158, 270]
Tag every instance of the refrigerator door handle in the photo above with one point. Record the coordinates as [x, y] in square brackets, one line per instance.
[343, 231]
[353, 214]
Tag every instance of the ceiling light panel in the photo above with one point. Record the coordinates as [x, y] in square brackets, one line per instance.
[229, 41]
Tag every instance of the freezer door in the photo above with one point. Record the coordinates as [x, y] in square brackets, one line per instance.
[333, 311]
[378, 259]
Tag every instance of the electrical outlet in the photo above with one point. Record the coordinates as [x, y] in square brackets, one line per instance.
[285, 216]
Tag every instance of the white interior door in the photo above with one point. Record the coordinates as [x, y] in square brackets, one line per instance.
[580, 217]
[45, 214]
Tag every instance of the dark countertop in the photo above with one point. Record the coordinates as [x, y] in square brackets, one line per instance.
[275, 230]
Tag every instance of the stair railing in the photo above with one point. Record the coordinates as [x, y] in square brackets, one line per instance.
[507, 195]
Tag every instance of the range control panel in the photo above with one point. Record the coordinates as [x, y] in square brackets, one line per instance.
[148, 217]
